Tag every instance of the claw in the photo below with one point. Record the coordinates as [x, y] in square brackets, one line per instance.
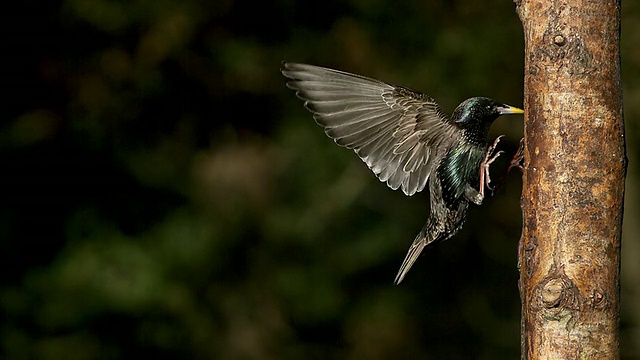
[486, 165]
[489, 158]
[518, 158]
[516, 162]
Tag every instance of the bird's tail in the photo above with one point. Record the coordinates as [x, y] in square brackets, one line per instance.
[412, 255]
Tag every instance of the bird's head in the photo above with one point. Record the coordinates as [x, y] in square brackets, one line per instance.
[478, 113]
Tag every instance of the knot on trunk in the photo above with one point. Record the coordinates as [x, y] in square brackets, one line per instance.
[557, 297]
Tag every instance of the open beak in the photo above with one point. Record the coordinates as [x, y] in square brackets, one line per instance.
[508, 109]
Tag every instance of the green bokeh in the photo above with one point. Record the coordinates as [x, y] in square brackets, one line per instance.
[165, 196]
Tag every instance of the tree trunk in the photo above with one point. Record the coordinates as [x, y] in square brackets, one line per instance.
[573, 181]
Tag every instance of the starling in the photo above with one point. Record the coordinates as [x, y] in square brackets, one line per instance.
[407, 141]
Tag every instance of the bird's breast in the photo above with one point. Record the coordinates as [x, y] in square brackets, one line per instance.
[459, 167]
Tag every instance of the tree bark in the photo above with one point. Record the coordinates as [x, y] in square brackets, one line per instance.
[573, 179]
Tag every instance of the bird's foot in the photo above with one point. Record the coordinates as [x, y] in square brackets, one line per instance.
[516, 162]
[490, 157]
[518, 158]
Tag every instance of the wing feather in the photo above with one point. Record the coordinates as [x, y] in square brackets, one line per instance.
[401, 135]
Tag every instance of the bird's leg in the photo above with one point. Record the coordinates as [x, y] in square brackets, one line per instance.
[490, 157]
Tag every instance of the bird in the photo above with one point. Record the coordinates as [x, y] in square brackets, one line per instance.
[408, 142]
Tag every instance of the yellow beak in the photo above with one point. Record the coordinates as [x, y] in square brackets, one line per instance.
[508, 109]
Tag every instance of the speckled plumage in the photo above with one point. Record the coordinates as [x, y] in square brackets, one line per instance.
[406, 140]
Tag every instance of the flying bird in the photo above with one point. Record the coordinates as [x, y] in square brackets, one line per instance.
[407, 141]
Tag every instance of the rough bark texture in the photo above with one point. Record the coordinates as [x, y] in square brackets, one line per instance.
[573, 182]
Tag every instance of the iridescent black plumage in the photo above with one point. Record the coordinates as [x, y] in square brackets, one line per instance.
[406, 140]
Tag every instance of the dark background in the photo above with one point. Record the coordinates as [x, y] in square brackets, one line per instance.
[163, 195]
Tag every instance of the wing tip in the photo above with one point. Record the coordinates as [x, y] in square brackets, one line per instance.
[289, 69]
[284, 67]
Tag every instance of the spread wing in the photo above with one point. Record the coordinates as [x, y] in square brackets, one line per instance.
[400, 134]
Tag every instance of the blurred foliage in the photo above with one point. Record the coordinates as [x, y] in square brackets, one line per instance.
[165, 196]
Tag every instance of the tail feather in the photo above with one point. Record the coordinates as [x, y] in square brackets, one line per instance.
[412, 255]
